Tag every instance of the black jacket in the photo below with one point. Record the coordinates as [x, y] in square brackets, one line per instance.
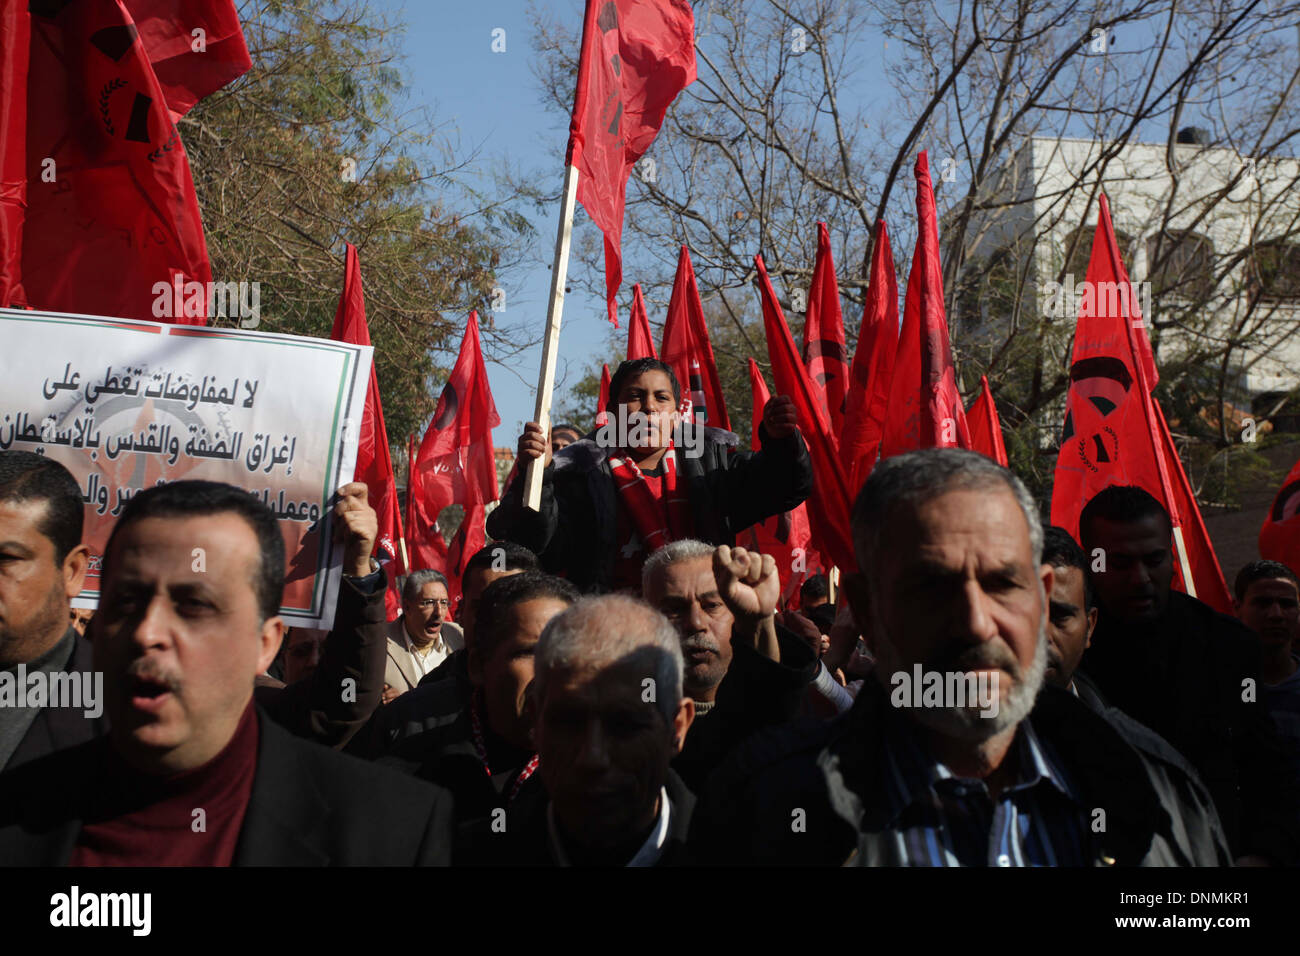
[1156, 814]
[574, 532]
[310, 806]
[756, 693]
[1185, 678]
[55, 728]
[525, 839]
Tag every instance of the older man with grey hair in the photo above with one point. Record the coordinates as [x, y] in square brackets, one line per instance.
[423, 637]
[608, 717]
[954, 753]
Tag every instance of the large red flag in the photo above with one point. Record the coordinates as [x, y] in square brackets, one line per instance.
[787, 537]
[374, 458]
[637, 55]
[1115, 432]
[15, 45]
[112, 224]
[823, 335]
[1279, 538]
[985, 426]
[456, 461]
[686, 347]
[639, 342]
[196, 47]
[872, 371]
[829, 507]
[925, 408]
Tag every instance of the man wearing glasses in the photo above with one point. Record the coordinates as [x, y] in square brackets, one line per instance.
[423, 637]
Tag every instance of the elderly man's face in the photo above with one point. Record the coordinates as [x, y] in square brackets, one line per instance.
[1069, 626]
[957, 591]
[604, 751]
[1139, 569]
[180, 641]
[1271, 608]
[426, 611]
[687, 594]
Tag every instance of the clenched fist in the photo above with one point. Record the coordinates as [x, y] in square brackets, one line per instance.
[357, 527]
[748, 583]
[779, 417]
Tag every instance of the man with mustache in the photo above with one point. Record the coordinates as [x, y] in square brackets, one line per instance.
[1189, 673]
[951, 583]
[192, 773]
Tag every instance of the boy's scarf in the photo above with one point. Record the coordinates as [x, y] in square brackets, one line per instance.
[647, 510]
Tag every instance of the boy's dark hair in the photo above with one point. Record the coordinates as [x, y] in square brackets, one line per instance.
[631, 369]
[815, 587]
[1261, 571]
[503, 594]
[1060, 550]
[1122, 503]
[25, 476]
[186, 499]
[515, 557]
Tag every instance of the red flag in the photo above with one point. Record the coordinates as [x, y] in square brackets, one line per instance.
[639, 342]
[196, 47]
[829, 507]
[604, 394]
[637, 55]
[1279, 538]
[925, 409]
[872, 371]
[985, 426]
[823, 336]
[15, 44]
[787, 537]
[1115, 432]
[687, 349]
[456, 462]
[428, 548]
[374, 458]
[112, 224]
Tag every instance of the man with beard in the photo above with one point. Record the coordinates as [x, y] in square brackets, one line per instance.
[1268, 602]
[951, 584]
[1189, 673]
[191, 772]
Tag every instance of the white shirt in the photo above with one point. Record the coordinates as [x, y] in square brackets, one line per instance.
[649, 853]
[426, 663]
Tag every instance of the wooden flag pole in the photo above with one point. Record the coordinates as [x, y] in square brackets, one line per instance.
[1188, 581]
[551, 346]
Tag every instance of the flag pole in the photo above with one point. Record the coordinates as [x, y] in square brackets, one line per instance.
[551, 345]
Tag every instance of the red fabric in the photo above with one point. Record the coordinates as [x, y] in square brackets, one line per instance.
[872, 371]
[139, 820]
[604, 394]
[185, 74]
[15, 45]
[469, 538]
[660, 511]
[823, 336]
[426, 546]
[640, 344]
[374, 457]
[637, 55]
[1279, 538]
[787, 537]
[121, 214]
[985, 426]
[686, 348]
[1115, 432]
[829, 506]
[456, 463]
[925, 409]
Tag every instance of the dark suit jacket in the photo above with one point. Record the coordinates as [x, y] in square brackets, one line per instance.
[310, 806]
[57, 727]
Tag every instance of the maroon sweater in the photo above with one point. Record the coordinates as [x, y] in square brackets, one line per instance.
[142, 820]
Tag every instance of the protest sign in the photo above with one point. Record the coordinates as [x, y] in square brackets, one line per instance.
[127, 405]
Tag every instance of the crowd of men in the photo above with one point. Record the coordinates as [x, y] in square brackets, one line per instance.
[619, 685]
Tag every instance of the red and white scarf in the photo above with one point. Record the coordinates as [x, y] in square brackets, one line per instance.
[657, 521]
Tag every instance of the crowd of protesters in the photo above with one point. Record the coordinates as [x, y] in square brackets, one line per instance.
[619, 684]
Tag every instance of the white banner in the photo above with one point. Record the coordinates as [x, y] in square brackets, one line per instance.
[126, 405]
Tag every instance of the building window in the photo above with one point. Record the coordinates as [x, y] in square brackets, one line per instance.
[1275, 268]
[1180, 264]
[1078, 248]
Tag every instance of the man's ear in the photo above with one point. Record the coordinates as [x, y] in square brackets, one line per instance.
[74, 570]
[858, 594]
[1047, 575]
[272, 638]
[682, 721]
[1092, 624]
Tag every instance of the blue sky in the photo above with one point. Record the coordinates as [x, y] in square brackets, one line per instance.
[493, 102]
